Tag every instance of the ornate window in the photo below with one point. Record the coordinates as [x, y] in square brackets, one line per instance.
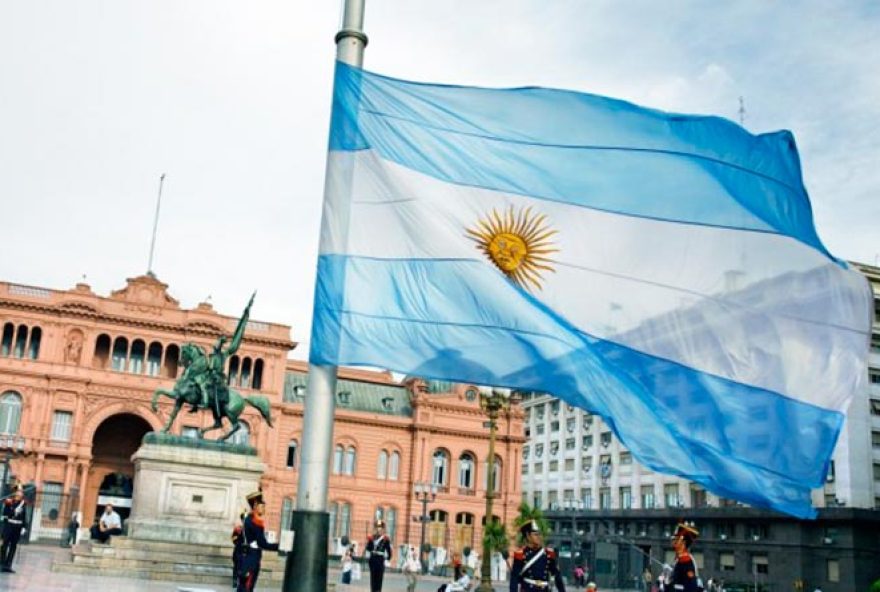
[466, 471]
[394, 466]
[10, 412]
[382, 467]
[243, 435]
[120, 354]
[338, 453]
[350, 461]
[440, 473]
[62, 421]
[136, 360]
[154, 358]
[6, 340]
[291, 454]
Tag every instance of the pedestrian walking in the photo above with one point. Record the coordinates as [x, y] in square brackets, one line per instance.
[254, 535]
[347, 564]
[412, 567]
[378, 552]
[13, 527]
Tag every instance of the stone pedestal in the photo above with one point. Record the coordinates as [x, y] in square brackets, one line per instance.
[190, 491]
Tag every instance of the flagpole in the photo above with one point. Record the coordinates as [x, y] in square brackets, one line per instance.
[306, 566]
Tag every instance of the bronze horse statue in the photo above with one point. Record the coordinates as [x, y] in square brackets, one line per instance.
[197, 376]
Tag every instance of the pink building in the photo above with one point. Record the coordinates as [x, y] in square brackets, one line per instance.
[77, 372]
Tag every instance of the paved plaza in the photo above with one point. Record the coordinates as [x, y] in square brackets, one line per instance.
[34, 574]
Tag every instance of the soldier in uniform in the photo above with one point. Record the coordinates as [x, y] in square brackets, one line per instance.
[378, 551]
[683, 575]
[535, 567]
[253, 534]
[14, 516]
[237, 548]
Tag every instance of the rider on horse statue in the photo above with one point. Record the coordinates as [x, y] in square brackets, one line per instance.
[203, 383]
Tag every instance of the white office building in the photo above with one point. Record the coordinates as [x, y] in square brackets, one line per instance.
[572, 459]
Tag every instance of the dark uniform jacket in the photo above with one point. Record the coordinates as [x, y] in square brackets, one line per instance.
[255, 537]
[538, 576]
[379, 549]
[684, 575]
[14, 517]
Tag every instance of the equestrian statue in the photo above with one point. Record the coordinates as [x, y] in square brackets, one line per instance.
[204, 385]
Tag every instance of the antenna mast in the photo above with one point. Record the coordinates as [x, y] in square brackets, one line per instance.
[742, 112]
[155, 227]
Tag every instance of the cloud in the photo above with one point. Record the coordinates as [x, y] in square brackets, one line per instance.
[232, 102]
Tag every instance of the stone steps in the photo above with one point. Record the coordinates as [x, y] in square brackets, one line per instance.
[154, 560]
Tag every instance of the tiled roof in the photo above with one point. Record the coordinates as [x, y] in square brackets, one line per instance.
[355, 395]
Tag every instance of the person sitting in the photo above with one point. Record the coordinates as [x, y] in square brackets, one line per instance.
[462, 584]
[110, 524]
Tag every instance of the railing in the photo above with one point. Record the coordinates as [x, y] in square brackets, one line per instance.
[34, 292]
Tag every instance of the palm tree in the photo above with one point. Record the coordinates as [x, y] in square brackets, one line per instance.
[495, 537]
[527, 513]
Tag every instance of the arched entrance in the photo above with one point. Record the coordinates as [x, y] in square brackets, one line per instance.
[111, 475]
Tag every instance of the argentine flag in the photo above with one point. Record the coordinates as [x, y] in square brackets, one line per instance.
[660, 270]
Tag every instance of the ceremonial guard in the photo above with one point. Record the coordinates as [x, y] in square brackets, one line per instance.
[253, 533]
[683, 576]
[14, 516]
[237, 548]
[535, 567]
[378, 551]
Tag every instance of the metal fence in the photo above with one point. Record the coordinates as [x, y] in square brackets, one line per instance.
[51, 515]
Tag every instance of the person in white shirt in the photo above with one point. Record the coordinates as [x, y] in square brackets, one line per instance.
[110, 524]
[462, 584]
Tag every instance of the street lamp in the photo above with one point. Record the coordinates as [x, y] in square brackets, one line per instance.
[425, 493]
[492, 401]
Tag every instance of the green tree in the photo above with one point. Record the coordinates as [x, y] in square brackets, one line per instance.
[495, 537]
[875, 587]
[526, 513]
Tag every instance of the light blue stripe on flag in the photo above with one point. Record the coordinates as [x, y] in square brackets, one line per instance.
[679, 288]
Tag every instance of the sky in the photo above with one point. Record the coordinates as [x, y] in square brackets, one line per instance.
[231, 100]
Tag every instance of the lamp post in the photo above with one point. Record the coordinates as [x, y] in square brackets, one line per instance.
[424, 493]
[492, 401]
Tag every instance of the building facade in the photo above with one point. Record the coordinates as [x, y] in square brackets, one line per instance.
[752, 550]
[77, 376]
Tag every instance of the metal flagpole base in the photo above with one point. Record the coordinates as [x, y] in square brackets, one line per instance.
[306, 567]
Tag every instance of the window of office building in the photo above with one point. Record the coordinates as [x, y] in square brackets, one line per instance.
[626, 458]
[554, 426]
[569, 464]
[626, 498]
[833, 568]
[570, 444]
[570, 425]
[554, 466]
[605, 439]
[605, 498]
[670, 495]
[587, 498]
[727, 562]
[647, 495]
[586, 442]
[760, 564]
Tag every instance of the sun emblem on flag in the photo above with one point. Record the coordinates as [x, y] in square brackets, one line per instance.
[517, 243]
